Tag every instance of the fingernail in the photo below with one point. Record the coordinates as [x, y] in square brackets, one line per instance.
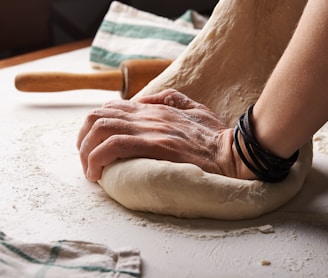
[88, 174]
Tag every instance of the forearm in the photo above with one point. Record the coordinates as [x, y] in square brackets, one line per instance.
[294, 102]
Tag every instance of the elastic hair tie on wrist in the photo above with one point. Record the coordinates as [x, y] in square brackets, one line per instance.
[265, 165]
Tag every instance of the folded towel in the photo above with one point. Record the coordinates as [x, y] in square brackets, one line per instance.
[128, 33]
[74, 259]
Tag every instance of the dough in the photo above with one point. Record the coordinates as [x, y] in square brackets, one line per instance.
[225, 68]
[184, 190]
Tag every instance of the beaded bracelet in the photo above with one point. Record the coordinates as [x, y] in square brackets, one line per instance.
[266, 166]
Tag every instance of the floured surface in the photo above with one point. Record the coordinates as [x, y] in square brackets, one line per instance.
[46, 197]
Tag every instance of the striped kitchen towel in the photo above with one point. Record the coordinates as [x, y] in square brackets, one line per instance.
[73, 259]
[128, 33]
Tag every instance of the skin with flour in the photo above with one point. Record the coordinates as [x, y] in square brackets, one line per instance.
[242, 65]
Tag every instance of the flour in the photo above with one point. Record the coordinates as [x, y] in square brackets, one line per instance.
[33, 174]
[38, 154]
[198, 229]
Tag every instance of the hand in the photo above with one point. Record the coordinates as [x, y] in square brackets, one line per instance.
[165, 126]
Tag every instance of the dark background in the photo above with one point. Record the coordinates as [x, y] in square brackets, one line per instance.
[28, 25]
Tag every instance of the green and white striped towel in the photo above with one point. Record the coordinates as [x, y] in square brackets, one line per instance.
[73, 259]
[128, 33]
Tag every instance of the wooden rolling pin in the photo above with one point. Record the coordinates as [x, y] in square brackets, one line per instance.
[132, 76]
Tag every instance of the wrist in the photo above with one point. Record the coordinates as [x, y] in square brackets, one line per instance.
[261, 162]
[267, 131]
[228, 159]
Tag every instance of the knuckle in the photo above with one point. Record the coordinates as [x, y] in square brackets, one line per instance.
[177, 99]
[100, 124]
[94, 116]
[117, 141]
[92, 159]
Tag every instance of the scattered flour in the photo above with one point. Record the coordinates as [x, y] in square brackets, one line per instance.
[42, 150]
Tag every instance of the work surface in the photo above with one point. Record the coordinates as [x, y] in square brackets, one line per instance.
[44, 196]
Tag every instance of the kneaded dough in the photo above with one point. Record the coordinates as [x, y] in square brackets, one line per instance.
[225, 68]
[185, 190]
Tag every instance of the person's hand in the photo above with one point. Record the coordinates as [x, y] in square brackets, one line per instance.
[165, 126]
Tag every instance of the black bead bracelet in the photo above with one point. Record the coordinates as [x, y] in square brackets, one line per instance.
[266, 166]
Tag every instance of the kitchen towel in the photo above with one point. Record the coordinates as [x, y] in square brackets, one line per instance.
[73, 259]
[128, 33]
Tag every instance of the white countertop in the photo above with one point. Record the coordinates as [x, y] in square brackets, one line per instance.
[44, 196]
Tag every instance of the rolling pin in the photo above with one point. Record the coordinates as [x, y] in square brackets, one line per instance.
[129, 79]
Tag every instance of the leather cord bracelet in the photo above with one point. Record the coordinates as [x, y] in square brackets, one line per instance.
[265, 165]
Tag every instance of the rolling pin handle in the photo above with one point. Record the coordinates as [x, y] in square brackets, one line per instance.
[62, 81]
[132, 76]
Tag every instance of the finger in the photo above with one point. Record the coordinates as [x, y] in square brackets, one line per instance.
[95, 115]
[100, 131]
[115, 147]
[121, 147]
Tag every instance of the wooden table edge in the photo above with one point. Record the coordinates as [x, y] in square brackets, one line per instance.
[24, 58]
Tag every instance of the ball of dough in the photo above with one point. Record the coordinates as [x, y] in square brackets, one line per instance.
[185, 190]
